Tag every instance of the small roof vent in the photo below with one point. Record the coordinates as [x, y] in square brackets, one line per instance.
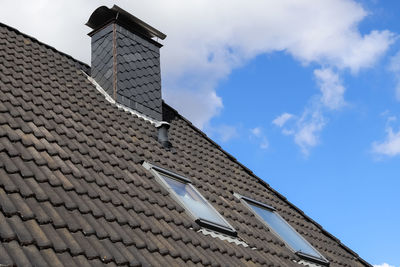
[163, 134]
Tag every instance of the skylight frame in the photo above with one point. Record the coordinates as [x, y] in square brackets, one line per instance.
[158, 172]
[249, 201]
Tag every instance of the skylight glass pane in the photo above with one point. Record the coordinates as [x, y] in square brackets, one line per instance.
[193, 201]
[282, 228]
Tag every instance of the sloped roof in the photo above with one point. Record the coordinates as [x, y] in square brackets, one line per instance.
[73, 190]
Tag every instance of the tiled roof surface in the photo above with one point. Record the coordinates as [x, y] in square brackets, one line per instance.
[73, 191]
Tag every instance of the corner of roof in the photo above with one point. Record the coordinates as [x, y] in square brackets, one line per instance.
[266, 185]
[33, 39]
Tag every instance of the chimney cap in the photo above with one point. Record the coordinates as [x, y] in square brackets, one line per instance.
[104, 15]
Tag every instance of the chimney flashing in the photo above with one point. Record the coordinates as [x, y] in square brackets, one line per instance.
[113, 21]
[103, 16]
[108, 98]
[161, 126]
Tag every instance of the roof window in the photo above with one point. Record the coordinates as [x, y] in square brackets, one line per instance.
[283, 230]
[182, 190]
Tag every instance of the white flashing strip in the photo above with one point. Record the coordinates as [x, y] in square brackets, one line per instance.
[309, 264]
[120, 106]
[223, 237]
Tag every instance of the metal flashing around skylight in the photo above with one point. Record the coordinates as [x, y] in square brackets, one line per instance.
[312, 259]
[167, 172]
[282, 229]
[216, 226]
[229, 238]
[258, 203]
[310, 264]
[183, 192]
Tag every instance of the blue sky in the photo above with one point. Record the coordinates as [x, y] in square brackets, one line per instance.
[342, 182]
[304, 93]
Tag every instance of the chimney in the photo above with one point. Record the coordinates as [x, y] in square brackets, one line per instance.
[126, 59]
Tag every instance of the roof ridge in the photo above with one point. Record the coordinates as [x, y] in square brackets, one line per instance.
[265, 184]
[44, 44]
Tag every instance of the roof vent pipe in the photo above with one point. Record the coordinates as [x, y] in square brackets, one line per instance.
[162, 128]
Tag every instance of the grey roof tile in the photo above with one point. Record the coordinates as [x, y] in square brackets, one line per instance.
[23, 234]
[38, 235]
[5, 258]
[16, 253]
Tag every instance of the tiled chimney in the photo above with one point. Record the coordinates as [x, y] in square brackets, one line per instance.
[126, 59]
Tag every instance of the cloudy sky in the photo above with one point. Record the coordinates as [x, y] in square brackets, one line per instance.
[304, 92]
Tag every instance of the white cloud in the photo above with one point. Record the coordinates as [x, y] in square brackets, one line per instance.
[282, 119]
[207, 39]
[224, 132]
[261, 138]
[256, 131]
[264, 144]
[394, 66]
[331, 88]
[306, 128]
[391, 118]
[383, 265]
[287, 131]
[390, 146]
[199, 106]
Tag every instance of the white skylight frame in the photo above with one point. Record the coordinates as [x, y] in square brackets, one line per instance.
[158, 172]
[249, 201]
